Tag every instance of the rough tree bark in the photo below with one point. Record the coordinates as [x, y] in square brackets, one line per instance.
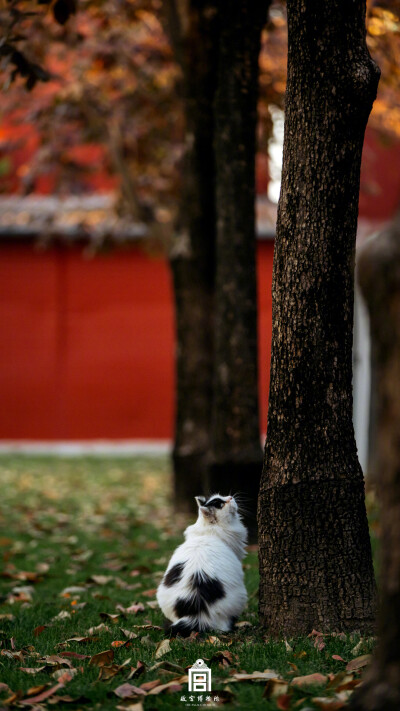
[236, 455]
[192, 27]
[217, 445]
[379, 277]
[315, 556]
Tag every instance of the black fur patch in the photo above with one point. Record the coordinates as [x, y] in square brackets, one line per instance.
[191, 606]
[183, 628]
[216, 503]
[233, 622]
[208, 589]
[174, 575]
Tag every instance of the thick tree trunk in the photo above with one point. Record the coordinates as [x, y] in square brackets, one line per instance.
[236, 456]
[193, 31]
[315, 556]
[379, 276]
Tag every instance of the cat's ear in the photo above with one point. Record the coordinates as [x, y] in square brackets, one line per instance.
[200, 500]
[207, 513]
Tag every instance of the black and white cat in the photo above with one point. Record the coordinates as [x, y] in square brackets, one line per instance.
[203, 587]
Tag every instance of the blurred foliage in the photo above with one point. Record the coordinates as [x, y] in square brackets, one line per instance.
[105, 109]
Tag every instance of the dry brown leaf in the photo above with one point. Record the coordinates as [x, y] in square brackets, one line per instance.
[63, 676]
[254, 676]
[132, 609]
[32, 670]
[136, 706]
[35, 690]
[283, 702]
[111, 618]
[162, 648]
[128, 691]
[328, 704]
[74, 655]
[170, 687]
[102, 658]
[38, 630]
[100, 579]
[128, 633]
[81, 640]
[338, 658]
[108, 672]
[359, 662]
[99, 628]
[148, 685]
[274, 688]
[309, 680]
[137, 671]
[43, 696]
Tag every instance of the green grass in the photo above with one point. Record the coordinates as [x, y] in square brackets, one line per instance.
[65, 520]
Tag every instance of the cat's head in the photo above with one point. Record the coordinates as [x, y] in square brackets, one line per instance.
[217, 509]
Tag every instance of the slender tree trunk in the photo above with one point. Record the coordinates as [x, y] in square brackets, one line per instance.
[315, 556]
[236, 456]
[379, 276]
[192, 28]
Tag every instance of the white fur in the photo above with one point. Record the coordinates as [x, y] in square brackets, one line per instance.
[214, 546]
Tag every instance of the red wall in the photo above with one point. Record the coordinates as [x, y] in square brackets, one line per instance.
[86, 344]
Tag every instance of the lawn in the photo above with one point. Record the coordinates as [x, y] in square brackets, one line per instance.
[84, 543]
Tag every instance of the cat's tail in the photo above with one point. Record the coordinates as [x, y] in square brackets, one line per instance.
[183, 627]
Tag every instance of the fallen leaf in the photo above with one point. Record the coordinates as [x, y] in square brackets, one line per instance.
[43, 696]
[35, 690]
[149, 593]
[120, 643]
[127, 691]
[102, 658]
[63, 676]
[242, 623]
[338, 658]
[147, 627]
[38, 630]
[100, 579]
[136, 706]
[99, 628]
[328, 704]
[309, 680]
[171, 687]
[283, 702]
[74, 655]
[274, 688]
[63, 615]
[32, 670]
[8, 617]
[108, 672]
[287, 646]
[213, 640]
[148, 685]
[224, 657]
[56, 660]
[72, 590]
[132, 609]
[359, 662]
[81, 640]
[138, 670]
[128, 633]
[112, 618]
[254, 676]
[162, 648]
[358, 647]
